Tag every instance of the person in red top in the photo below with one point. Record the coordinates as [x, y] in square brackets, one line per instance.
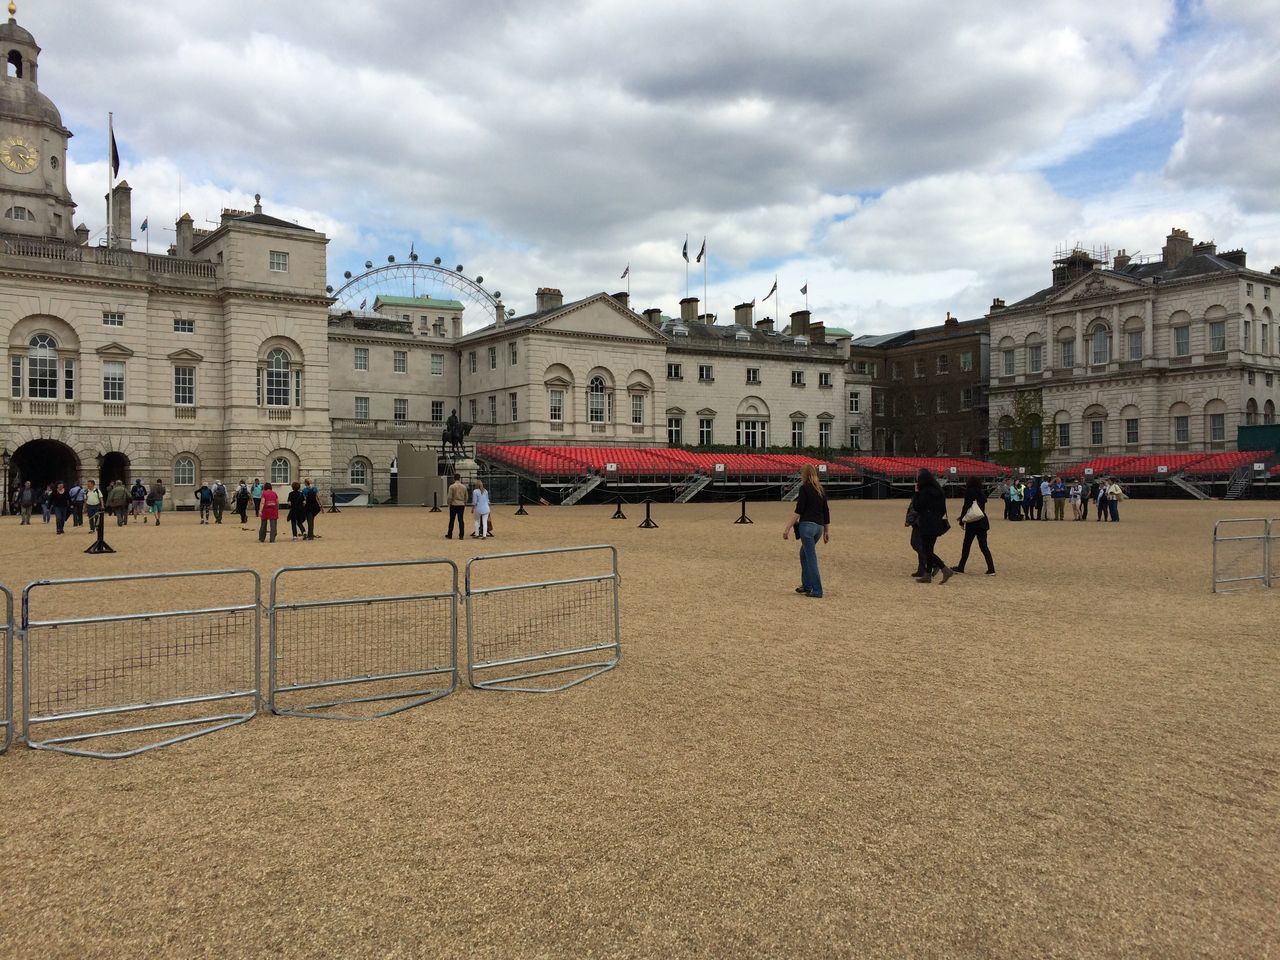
[269, 513]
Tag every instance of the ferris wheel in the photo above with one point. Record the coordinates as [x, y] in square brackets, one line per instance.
[411, 279]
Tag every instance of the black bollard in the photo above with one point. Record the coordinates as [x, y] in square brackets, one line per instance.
[520, 510]
[744, 518]
[647, 523]
[435, 502]
[618, 514]
[100, 545]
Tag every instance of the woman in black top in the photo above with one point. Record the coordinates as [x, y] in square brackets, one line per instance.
[975, 529]
[811, 520]
[60, 504]
[297, 512]
[930, 505]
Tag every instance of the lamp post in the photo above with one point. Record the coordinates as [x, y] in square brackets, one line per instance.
[4, 501]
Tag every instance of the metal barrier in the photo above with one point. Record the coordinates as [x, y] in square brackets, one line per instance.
[1273, 552]
[368, 646]
[6, 675]
[78, 670]
[555, 626]
[1243, 557]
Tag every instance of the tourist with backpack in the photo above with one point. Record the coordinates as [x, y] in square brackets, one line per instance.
[219, 500]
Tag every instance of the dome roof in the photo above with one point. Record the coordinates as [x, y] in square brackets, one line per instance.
[15, 34]
[22, 100]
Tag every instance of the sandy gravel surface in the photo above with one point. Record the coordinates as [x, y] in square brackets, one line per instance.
[1079, 757]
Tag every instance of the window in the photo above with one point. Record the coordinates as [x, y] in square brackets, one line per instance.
[704, 372]
[112, 382]
[15, 376]
[19, 213]
[1266, 342]
[637, 409]
[673, 372]
[42, 368]
[69, 379]
[1182, 341]
[183, 325]
[1036, 436]
[1067, 352]
[437, 411]
[1131, 430]
[1095, 433]
[1101, 342]
[281, 471]
[400, 361]
[824, 380]
[877, 403]
[278, 261]
[1007, 359]
[184, 472]
[860, 366]
[184, 386]
[1218, 336]
[855, 438]
[797, 433]
[362, 358]
[797, 378]
[1064, 435]
[674, 431]
[555, 406]
[824, 433]
[1035, 358]
[1217, 426]
[358, 473]
[493, 358]
[943, 363]
[917, 404]
[110, 319]
[514, 401]
[362, 408]
[1135, 344]
[1182, 429]
[895, 370]
[1266, 293]
[966, 398]
[400, 409]
[493, 409]
[1248, 337]
[705, 431]
[753, 433]
[855, 402]
[940, 403]
[471, 362]
[753, 374]
[1250, 377]
[966, 361]
[278, 378]
[1248, 289]
[918, 367]
[437, 364]
[595, 400]
[1005, 438]
[966, 447]
[515, 353]
[472, 410]
[1270, 380]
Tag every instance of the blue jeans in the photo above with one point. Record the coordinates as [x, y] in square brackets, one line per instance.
[809, 533]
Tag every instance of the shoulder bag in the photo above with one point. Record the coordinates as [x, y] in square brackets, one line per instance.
[974, 513]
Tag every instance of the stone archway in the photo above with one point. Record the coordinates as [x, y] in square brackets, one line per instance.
[115, 466]
[44, 462]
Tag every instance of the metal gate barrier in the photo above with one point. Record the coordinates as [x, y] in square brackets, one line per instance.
[370, 649]
[77, 671]
[6, 675]
[541, 630]
[1243, 557]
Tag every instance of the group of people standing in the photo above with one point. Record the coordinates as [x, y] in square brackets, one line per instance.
[456, 498]
[1030, 499]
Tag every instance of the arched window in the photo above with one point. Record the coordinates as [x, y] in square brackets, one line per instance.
[278, 378]
[595, 400]
[1251, 412]
[358, 473]
[1269, 412]
[1099, 345]
[184, 472]
[42, 368]
[19, 213]
[281, 471]
[13, 65]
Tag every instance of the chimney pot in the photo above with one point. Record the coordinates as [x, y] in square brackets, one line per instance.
[817, 332]
[765, 326]
[549, 298]
[800, 323]
[689, 310]
[623, 298]
[742, 314]
[1177, 247]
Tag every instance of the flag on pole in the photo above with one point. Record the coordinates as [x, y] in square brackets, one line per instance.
[703, 252]
[805, 288]
[115, 154]
[685, 253]
[363, 302]
[144, 224]
[772, 290]
[626, 273]
[753, 303]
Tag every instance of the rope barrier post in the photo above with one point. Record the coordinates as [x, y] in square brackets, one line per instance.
[435, 502]
[100, 545]
[618, 514]
[744, 518]
[520, 511]
[333, 503]
[647, 523]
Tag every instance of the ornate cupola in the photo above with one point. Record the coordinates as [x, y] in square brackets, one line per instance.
[34, 200]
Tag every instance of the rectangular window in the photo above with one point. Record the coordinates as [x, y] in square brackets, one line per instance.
[1067, 354]
[362, 408]
[1064, 436]
[1006, 357]
[673, 371]
[797, 378]
[966, 361]
[1266, 341]
[493, 358]
[1095, 433]
[966, 447]
[824, 380]
[860, 366]
[362, 358]
[15, 376]
[514, 401]
[1182, 429]
[1250, 377]
[555, 406]
[471, 362]
[1101, 346]
[674, 431]
[895, 370]
[1266, 293]
[918, 367]
[110, 319]
[1131, 430]
[1035, 358]
[1248, 338]
[704, 372]
[278, 261]
[855, 402]
[1182, 341]
[1248, 289]
[1135, 344]
[855, 438]
[966, 398]
[297, 388]
[824, 433]
[112, 381]
[637, 409]
[705, 432]
[472, 411]
[181, 325]
[940, 403]
[753, 374]
[515, 353]
[944, 363]
[184, 386]
[1217, 426]
[400, 361]
[69, 379]
[917, 404]
[1218, 336]
[437, 364]
[437, 411]
[493, 409]
[878, 403]
[797, 433]
[752, 433]
[401, 409]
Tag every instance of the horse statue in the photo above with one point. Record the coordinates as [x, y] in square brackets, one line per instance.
[454, 434]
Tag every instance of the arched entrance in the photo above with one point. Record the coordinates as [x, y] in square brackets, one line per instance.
[115, 466]
[44, 462]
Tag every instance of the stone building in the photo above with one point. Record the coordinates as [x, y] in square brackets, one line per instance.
[1140, 356]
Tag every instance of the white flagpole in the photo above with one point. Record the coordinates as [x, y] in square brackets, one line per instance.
[706, 307]
[686, 265]
[777, 298]
[110, 179]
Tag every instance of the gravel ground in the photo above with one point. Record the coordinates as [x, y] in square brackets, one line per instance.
[1075, 758]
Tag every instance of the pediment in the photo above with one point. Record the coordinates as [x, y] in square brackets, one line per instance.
[675, 412]
[1099, 285]
[826, 416]
[600, 315]
[185, 354]
[558, 382]
[706, 412]
[799, 415]
[114, 349]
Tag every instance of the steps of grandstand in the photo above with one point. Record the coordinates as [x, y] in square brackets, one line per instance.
[1178, 480]
[1241, 482]
[581, 490]
[692, 488]
[792, 492]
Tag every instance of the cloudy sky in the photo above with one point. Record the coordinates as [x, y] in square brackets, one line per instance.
[904, 157]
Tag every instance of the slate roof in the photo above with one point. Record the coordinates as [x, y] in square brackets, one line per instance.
[1196, 265]
[430, 302]
[269, 221]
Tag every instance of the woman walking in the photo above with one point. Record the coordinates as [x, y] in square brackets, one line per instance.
[811, 520]
[975, 527]
[311, 503]
[930, 505]
[480, 504]
[242, 504]
[268, 513]
[297, 512]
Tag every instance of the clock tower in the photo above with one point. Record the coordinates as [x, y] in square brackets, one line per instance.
[34, 200]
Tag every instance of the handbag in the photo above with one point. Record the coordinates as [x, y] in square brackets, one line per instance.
[973, 514]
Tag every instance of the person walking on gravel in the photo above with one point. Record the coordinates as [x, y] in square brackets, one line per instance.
[268, 513]
[811, 520]
[155, 497]
[976, 525]
[480, 504]
[456, 498]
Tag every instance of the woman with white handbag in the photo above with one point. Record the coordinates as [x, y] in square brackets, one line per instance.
[973, 518]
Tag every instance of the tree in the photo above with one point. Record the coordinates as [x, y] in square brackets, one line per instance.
[1022, 439]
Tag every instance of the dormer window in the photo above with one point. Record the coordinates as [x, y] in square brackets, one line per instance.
[21, 214]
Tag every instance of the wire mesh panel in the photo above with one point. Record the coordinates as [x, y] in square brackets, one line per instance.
[6, 675]
[340, 633]
[1273, 552]
[540, 634]
[88, 671]
[1240, 549]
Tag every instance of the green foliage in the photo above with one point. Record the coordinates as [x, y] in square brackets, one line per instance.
[1023, 439]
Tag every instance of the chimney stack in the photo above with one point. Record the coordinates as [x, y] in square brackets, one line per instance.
[1177, 247]
[765, 326]
[996, 304]
[742, 314]
[122, 215]
[186, 230]
[800, 323]
[623, 298]
[82, 234]
[1209, 247]
[500, 313]
[708, 318]
[951, 322]
[689, 310]
[654, 316]
[1234, 256]
[549, 298]
[1121, 261]
[817, 332]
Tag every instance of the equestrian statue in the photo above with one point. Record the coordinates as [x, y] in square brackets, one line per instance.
[454, 434]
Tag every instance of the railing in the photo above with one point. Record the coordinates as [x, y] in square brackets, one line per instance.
[44, 250]
[114, 410]
[74, 253]
[43, 408]
[284, 413]
[184, 413]
[202, 269]
[397, 427]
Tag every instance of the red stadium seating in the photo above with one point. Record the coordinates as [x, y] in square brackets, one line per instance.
[1222, 464]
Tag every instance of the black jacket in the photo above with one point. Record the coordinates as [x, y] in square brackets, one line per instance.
[981, 500]
[930, 505]
[812, 506]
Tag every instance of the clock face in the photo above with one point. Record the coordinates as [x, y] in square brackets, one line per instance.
[19, 154]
